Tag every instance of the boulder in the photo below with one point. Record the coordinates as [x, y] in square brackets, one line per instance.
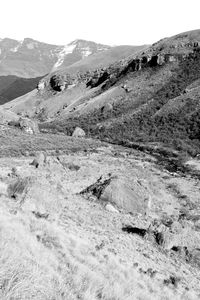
[41, 86]
[28, 126]
[39, 160]
[109, 207]
[78, 132]
[107, 108]
[131, 197]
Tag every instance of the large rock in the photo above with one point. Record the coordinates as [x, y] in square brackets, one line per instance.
[131, 197]
[39, 160]
[107, 108]
[78, 132]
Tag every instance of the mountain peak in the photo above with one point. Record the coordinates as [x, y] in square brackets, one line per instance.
[27, 40]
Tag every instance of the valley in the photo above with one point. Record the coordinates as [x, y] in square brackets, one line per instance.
[100, 171]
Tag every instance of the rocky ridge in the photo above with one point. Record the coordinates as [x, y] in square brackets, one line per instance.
[154, 56]
[30, 58]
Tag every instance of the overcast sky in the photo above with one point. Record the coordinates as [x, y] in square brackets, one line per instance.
[113, 22]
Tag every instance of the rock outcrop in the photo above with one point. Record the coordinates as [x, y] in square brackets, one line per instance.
[57, 83]
[106, 77]
[78, 132]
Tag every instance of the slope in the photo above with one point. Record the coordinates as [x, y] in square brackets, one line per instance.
[38, 106]
[138, 90]
[30, 58]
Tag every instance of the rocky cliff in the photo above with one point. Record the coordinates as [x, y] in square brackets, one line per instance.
[159, 54]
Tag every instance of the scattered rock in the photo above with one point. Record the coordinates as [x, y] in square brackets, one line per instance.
[126, 88]
[78, 132]
[41, 85]
[72, 166]
[111, 208]
[39, 160]
[172, 280]
[159, 232]
[98, 187]
[40, 215]
[131, 229]
[106, 108]
[13, 173]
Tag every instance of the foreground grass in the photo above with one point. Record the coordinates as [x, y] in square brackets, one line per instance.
[40, 261]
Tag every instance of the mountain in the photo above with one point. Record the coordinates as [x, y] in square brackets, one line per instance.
[151, 96]
[28, 104]
[83, 218]
[26, 62]
[30, 58]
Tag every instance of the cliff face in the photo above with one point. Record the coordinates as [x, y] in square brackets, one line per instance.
[108, 76]
[167, 50]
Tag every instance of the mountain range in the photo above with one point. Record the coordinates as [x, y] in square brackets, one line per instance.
[32, 60]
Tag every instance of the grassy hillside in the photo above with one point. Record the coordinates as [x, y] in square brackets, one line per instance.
[136, 118]
[102, 59]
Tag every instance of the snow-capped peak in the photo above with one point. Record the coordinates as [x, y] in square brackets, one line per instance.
[15, 49]
[61, 55]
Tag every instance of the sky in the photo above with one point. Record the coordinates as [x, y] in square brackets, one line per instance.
[112, 22]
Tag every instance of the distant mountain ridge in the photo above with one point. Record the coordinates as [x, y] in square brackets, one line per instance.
[24, 63]
[30, 58]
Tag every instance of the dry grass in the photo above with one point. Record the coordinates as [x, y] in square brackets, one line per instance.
[40, 261]
[14, 142]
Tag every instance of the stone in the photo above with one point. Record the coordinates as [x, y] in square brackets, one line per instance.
[161, 59]
[41, 86]
[131, 197]
[111, 208]
[172, 58]
[107, 108]
[39, 160]
[78, 132]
